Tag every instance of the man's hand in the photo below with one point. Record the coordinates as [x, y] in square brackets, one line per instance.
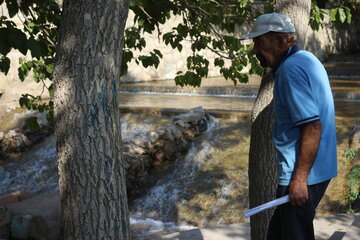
[298, 192]
[309, 144]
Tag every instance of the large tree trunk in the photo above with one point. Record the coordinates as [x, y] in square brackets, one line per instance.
[262, 161]
[89, 147]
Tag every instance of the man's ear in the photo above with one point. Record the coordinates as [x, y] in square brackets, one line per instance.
[281, 42]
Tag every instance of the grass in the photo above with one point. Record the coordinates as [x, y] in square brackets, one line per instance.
[336, 198]
[350, 154]
[353, 184]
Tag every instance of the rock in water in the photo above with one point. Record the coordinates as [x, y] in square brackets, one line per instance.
[166, 143]
[14, 141]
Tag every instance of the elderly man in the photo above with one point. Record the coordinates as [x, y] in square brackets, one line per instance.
[304, 130]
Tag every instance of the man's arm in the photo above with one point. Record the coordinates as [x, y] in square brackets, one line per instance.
[309, 145]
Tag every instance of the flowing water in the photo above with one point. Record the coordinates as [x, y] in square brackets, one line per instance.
[191, 182]
[160, 201]
[36, 170]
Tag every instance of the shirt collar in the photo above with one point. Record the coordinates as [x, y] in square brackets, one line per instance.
[292, 50]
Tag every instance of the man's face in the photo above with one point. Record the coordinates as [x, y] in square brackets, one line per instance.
[265, 50]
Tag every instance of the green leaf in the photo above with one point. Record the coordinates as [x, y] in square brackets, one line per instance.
[22, 101]
[36, 76]
[189, 78]
[333, 14]
[182, 30]
[179, 47]
[141, 22]
[126, 58]
[179, 81]
[4, 64]
[50, 68]
[50, 117]
[157, 52]
[342, 15]
[12, 7]
[31, 27]
[23, 71]
[4, 45]
[32, 124]
[17, 39]
[29, 64]
[219, 62]
[348, 15]
[243, 77]
[41, 108]
[51, 90]
[37, 48]
[51, 104]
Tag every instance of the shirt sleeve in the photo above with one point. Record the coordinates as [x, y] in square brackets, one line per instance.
[298, 97]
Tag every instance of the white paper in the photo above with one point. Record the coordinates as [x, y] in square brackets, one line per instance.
[267, 205]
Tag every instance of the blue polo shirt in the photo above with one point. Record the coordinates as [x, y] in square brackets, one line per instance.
[302, 94]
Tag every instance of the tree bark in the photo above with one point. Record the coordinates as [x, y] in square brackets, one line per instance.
[299, 12]
[89, 147]
[262, 159]
[262, 162]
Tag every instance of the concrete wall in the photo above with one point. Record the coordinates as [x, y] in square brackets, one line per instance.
[172, 61]
[11, 87]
